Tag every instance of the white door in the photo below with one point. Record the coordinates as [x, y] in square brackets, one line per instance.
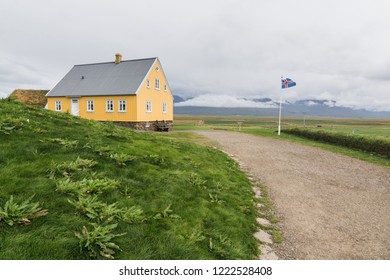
[75, 110]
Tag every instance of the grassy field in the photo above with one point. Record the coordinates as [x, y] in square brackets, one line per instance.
[106, 191]
[364, 127]
[268, 127]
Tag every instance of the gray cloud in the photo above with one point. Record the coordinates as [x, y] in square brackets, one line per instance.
[336, 50]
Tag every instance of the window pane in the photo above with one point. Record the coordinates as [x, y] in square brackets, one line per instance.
[122, 105]
[109, 106]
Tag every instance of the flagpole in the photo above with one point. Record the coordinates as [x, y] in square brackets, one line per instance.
[280, 106]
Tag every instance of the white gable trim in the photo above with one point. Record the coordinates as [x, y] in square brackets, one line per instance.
[146, 76]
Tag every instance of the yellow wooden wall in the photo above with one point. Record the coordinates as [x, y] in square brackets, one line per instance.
[99, 112]
[158, 97]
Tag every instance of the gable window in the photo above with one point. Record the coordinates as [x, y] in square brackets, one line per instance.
[109, 106]
[90, 106]
[148, 106]
[58, 106]
[165, 106]
[165, 87]
[157, 83]
[122, 106]
[148, 83]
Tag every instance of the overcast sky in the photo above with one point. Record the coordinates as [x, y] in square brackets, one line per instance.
[218, 51]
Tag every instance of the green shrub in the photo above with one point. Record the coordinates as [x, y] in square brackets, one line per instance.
[167, 213]
[86, 186]
[121, 159]
[89, 205]
[98, 241]
[107, 213]
[133, 214]
[9, 125]
[196, 181]
[154, 159]
[67, 169]
[67, 144]
[367, 144]
[20, 213]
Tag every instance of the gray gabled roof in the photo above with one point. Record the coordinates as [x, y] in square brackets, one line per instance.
[101, 79]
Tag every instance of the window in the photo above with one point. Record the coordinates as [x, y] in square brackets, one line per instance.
[58, 106]
[165, 87]
[165, 106]
[90, 107]
[122, 106]
[157, 68]
[157, 83]
[147, 83]
[109, 106]
[148, 106]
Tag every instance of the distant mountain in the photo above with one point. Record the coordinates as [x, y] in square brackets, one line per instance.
[178, 99]
[307, 107]
[259, 100]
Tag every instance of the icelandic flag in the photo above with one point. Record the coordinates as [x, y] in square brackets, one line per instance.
[286, 83]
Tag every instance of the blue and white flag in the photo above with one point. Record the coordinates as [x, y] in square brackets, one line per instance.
[286, 83]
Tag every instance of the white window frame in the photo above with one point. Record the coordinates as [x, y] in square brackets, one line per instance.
[148, 106]
[122, 106]
[90, 106]
[148, 83]
[58, 105]
[110, 103]
[165, 108]
[157, 83]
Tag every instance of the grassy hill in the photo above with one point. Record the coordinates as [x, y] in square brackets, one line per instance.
[106, 191]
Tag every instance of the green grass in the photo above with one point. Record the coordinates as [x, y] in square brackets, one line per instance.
[190, 195]
[267, 127]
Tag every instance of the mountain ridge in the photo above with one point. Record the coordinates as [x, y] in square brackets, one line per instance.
[300, 108]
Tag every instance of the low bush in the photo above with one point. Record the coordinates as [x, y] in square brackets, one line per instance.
[367, 144]
[67, 169]
[9, 125]
[87, 186]
[98, 241]
[23, 213]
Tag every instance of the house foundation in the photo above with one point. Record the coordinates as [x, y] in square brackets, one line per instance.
[148, 126]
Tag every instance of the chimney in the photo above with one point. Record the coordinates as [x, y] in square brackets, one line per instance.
[118, 58]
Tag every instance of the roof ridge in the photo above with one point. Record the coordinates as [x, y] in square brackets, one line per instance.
[114, 62]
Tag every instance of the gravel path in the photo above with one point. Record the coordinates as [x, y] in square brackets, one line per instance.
[330, 206]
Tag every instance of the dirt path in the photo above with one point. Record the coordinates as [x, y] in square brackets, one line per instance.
[331, 206]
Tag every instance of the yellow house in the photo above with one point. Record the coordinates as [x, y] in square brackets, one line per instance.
[132, 93]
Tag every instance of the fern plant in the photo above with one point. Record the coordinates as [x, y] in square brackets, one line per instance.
[23, 213]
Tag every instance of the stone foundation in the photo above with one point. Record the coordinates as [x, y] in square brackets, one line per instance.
[148, 126]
